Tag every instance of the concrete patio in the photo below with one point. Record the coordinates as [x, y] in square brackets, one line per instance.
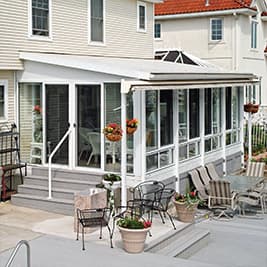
[239, 242]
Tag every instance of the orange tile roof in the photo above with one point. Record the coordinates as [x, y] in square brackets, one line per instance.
[170, 7]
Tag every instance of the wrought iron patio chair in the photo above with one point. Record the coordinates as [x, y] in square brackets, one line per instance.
[93, 217]
[163, 205]
[222, 199]
[145, 195]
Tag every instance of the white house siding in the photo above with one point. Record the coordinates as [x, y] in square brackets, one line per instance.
[70, 31]
[192, 35]
[9, 77]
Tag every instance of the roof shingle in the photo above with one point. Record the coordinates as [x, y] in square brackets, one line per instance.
[170, 7]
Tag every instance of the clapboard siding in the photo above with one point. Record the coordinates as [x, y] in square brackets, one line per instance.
[9, 77]
[70, 31]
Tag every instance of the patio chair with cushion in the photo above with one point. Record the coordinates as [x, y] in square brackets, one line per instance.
[201, 189]
[255, 169]
[91, 218]
[204, 176]
[212, 171]
[222, 199]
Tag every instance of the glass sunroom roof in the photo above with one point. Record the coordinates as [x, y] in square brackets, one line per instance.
[179, 56]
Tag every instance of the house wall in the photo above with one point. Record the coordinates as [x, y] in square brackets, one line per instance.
[8, 76]
[233, 53]
[70, 31]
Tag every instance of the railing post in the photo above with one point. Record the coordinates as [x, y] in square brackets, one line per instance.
[50, 161]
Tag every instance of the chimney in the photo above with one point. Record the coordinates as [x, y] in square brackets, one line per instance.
[207, 3]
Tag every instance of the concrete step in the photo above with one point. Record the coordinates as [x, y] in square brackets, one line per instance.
[56, 205]
[62, 183]
[67, 174]
[170, 237]
[188, 244]
[43, 191]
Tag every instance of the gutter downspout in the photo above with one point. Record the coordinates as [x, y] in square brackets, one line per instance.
[235, 55]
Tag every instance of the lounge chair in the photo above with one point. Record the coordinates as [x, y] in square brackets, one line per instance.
[212, 171]
[201, 189]
[255, 169]
[222, 198]
[204, 175]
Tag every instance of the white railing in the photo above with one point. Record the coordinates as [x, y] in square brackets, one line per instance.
[50, 161]
[15, 251]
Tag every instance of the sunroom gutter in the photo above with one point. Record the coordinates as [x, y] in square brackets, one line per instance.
[245, 11]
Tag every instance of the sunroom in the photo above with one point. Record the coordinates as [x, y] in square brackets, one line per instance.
[188, 115]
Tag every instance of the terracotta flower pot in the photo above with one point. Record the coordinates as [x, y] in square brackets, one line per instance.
[253, 108]
[113, 137]
[184, 212]
[133, 239]
[131, 130]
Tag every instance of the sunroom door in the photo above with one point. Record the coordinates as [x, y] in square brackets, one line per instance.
[57, 121]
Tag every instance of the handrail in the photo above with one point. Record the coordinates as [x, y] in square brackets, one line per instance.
[14, 253]
[50, 161]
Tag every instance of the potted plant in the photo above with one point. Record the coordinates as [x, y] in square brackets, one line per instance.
[111, 180]
[186, 206]
[133, 232]
[131, 125]
[249, 107]
[113, 132]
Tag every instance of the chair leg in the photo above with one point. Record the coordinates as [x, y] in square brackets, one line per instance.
[100, 237]
[83, 237]
[78, 226]
[110, 236]
[162, 219]
[174, 227]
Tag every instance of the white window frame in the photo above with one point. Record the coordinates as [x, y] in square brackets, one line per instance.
[139, 3]
[96, 43]
[222, 29]
[5, 84]
[254, 33]
[157, 23]
[38, 37]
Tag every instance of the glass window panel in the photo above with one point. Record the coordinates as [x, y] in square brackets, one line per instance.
[208, 145]
[31, 117]
[89, 131]
[152, 162]
[228, 107]
[193, 113]
[193, 150]
[40, 17]
[182, 102]
[151, 120]
[182, 152]
[112, 115]
[208, 108]
[166, 158]
[2, 101]
[216, 110]
[166, 119]
[235, 107]
[157, 30]
[97, 22]
[142, 17]
[216, 29]
[228, 139]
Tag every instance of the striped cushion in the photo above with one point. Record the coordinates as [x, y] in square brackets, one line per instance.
[220, 192]
[255, 169]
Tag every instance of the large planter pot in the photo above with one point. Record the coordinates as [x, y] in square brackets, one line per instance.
[111, 185]
[184, 212]
[133, 239]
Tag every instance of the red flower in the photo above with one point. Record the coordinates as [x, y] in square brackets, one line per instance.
[147, 224]
[37, 109]
[192, 194]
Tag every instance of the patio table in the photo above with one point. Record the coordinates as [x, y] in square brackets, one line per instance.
[240, 183]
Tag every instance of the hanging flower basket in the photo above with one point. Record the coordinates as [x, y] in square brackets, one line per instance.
[113, 132]
[131, 130]
[252, 108]
[131, 126]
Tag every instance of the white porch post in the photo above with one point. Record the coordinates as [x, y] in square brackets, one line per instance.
[176, 137]
[249, 137]
[202, 125]
[123, 148]
[224, 131]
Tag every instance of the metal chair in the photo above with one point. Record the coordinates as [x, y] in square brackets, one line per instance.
[145, 195]
[93, 217]
[222, 198]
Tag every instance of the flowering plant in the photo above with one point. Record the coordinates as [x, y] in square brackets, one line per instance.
[37, 109]
[133, 223]
[189, 199]
[133, 123]
[113, 128]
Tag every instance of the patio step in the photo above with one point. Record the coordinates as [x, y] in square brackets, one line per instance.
[56, 205]
[182, 243]
[42, 191]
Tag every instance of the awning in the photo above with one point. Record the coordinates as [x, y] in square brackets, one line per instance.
[140, 73]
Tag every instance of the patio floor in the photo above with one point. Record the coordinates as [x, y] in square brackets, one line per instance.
[240, 242]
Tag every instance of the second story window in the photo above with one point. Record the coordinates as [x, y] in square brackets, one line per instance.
[97, 20]
[216, 29]
[40, 17]
[3, 100]
[141, 17]
[157, 30]
[254, 26]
